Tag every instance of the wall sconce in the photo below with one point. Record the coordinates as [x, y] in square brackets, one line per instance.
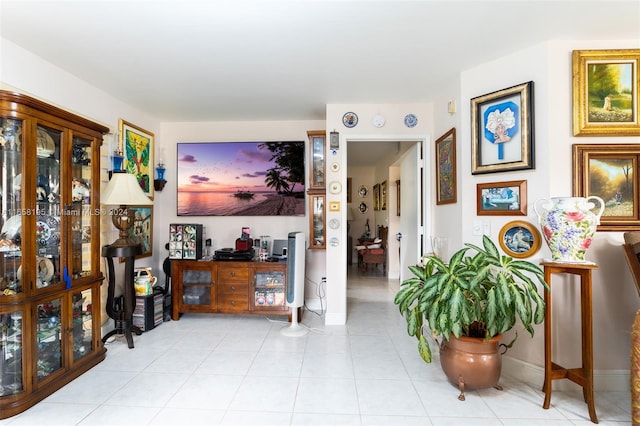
[159, 182]
[118, 159]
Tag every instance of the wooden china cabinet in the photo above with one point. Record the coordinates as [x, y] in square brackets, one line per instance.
[49, 249]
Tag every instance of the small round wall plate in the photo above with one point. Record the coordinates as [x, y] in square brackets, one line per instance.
[335, 167]
[334, 241]
[378, 120]
[334, 224]
[350, 119]
[410, 120]
[335, 187]
[363, 191]
[363, 207]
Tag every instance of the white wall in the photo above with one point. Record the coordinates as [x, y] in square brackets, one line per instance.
[614, 295]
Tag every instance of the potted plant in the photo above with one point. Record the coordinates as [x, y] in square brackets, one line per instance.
[470, 301]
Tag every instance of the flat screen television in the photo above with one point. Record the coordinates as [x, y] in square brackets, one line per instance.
[241, 178]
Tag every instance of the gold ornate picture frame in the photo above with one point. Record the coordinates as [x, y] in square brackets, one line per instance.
[502, 130]
[605, 92]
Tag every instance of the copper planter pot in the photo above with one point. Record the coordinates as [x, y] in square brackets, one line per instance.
[472, 362]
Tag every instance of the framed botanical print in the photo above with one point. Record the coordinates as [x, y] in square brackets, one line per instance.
[446, 185]
[605, 92]
[137, 146]
[502, 130]
[383, 195]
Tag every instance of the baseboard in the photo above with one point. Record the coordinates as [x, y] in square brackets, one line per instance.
[603, 380]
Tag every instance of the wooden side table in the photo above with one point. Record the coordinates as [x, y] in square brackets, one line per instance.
[582, 376]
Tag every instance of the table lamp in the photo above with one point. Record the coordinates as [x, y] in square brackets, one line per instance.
[123, 190]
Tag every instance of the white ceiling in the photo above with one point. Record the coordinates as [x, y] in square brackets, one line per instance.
[187, 60]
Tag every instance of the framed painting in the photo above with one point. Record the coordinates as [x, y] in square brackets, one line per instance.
[376, 197]
[502, 130]
[137, 146]
[605, 92]
[142, 229]
[502, 198]
[446, 185]
[383, 195]
[609, 172]
[520, 239]
[398, 198]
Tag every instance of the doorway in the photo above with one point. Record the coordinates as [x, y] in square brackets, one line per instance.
[394, 165]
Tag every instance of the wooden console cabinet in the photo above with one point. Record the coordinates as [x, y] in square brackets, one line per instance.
[228, 287]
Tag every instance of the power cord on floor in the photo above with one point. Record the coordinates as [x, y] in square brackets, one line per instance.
[320, 292]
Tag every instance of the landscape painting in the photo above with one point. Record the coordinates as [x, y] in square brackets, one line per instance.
[241, 178]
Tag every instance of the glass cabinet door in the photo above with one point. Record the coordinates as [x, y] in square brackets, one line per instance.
[317, 176]
[197, 286]
[12, 208]
[48, 337]
[317, 221]
[82, 322]
[11, 332]
[81, 213]
[48, 209]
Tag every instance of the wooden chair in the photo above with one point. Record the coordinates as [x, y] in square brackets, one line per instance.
[631, 248]
[374, 253]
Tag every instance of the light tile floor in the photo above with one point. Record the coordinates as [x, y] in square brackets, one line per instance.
[229, 370]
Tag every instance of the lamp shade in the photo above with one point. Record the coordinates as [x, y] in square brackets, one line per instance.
[124, 190]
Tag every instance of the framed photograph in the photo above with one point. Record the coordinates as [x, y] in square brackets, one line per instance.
[376, 197]
[502, 198]
[520, 239]
[605, 92]
[446, 185]
[142, 229]
[609, 172]
[137, 146]
[502, 130]
[349, 187]
[383, 195]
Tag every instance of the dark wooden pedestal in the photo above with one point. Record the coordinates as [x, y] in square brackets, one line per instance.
[122, 312]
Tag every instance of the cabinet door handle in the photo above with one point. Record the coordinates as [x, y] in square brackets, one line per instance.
[233, 288]
[233, 302]
[233, 273]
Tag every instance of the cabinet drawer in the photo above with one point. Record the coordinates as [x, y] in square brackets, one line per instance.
[232, 297]
[233, 275]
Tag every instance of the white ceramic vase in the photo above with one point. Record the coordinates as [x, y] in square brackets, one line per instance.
[568, 225]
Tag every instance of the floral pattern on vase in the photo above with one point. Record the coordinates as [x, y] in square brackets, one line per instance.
[568, 226]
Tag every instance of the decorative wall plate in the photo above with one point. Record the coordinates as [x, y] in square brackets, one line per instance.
[378, 120]
[335, 187]
[363, 191]
[335, 167]
[363, 207]
[410, 120]
[334, 224]
[350, 119]
[334, 242]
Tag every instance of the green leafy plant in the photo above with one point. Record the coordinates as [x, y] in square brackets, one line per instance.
[475, 295]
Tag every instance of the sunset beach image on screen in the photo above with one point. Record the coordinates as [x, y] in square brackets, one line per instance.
[241, 178]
